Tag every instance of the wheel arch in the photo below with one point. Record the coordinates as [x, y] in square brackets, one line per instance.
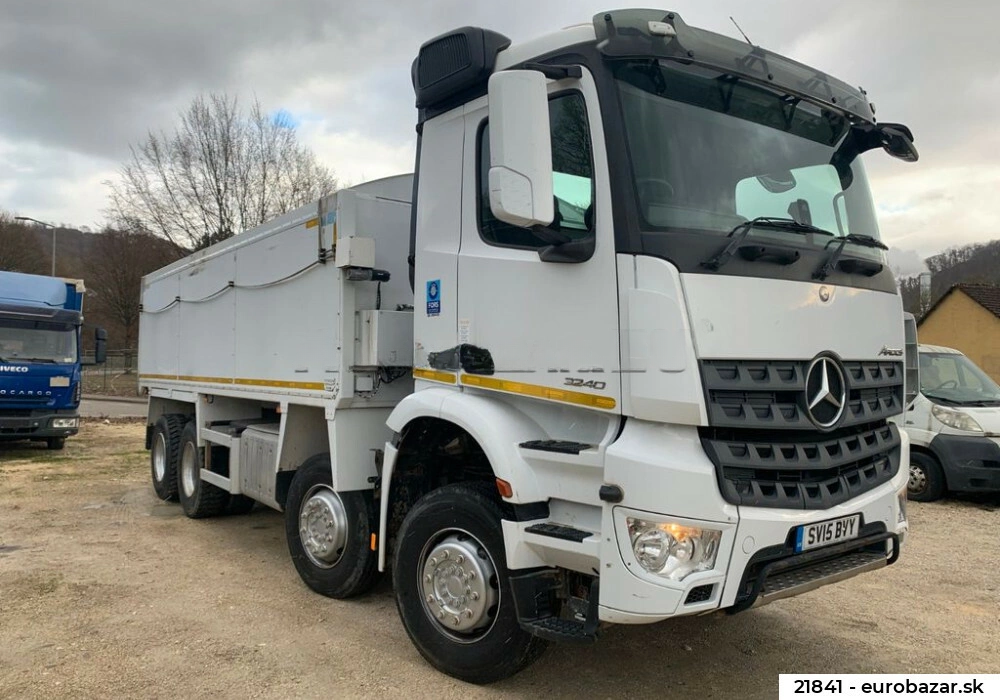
[928, 451]
[496, 427]
[481, 436]
[158, 407]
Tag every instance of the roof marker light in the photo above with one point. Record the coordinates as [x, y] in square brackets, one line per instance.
[662, 29]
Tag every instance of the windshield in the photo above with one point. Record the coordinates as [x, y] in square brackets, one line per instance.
[954, 379]
[30, 341]
[710, 152]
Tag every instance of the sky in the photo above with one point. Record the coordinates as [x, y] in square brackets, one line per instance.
[80, 80]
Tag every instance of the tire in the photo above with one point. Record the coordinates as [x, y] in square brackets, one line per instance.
[55, 443]
[926, 478]
[165, 449]
[240, 504]
[486, 644]
[199, 499]
[345, 566]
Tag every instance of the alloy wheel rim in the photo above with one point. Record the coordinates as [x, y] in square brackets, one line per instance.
[918, 479]
[188, 464]
[323, 526]
[459, 586]
[160, 457]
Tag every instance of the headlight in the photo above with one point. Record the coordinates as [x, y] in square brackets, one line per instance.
[959, 420]
[65, 422]
[673, 551]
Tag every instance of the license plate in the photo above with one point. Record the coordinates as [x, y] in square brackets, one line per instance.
[827, 532]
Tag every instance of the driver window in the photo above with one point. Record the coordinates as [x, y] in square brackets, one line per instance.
[572, 178]
[802, 194]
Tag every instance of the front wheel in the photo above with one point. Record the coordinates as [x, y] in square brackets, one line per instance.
[329, 533]
[926, 478]
[55, 443]
[451, 583]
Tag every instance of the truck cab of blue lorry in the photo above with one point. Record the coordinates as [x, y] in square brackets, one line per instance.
[41, 319]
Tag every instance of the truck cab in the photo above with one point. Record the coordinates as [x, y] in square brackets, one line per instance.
[954, 427]
[659, 314]
[40, 363]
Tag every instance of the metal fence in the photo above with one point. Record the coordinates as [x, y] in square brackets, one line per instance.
[116, 377]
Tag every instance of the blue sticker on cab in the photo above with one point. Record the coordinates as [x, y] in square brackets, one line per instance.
[433, 297]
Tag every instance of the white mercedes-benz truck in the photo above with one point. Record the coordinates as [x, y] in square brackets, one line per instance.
[623, 348]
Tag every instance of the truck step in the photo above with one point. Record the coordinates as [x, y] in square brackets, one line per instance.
[561, 532]
[568, 447]
[535, 599]
[556, 629]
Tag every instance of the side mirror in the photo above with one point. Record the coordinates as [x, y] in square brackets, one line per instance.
[100, 346]
[897, 141]
[520, 178]
[777, 182]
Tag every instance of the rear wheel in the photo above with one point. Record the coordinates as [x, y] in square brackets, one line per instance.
[451, 583]
[163, 454]
[926, 478]
[329, 533]
[198, 498]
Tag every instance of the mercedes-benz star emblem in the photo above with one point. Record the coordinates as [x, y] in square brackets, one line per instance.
[826, 391]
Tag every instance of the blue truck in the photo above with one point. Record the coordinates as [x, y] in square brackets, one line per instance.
[41, 319]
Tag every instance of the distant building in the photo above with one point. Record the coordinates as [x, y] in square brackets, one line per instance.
[967, 318]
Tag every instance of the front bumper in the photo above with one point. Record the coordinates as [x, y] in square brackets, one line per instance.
[37, 424]
[970, 463]
[756, 562]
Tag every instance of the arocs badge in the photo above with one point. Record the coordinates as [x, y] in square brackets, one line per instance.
[434, 297]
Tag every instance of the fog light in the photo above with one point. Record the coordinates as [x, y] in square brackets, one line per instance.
[65, 422]
[671, 550]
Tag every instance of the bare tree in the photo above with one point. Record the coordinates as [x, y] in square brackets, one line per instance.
[223, 170]
[118, 260]
[20, 250]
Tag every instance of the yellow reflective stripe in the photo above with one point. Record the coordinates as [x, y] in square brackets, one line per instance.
[542, 392]
[312, 223]
[317, 386]
[434, 376]
[313, 386]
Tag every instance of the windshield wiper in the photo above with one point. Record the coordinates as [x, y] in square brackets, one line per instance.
[47, 360]
[739, 234]
[945, 399]
[857, 238]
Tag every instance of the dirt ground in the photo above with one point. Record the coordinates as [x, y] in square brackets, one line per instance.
[104, 591]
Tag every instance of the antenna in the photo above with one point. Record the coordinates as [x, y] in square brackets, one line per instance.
[741, 31]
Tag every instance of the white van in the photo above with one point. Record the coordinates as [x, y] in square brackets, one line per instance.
[954, 427]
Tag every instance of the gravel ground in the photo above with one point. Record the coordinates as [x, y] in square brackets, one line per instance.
[104, 591]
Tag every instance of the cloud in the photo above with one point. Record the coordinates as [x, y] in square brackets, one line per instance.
[53, 185]
[79, 81]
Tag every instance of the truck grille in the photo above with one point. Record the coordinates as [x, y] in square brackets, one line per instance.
[815, 471]
[768, 394]
[768, 453]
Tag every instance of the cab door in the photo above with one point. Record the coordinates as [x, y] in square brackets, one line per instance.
[550, 329]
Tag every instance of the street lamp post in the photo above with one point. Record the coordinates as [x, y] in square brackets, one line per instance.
[28, 218]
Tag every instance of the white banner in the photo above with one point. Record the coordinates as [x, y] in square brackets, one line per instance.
[888, 686]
